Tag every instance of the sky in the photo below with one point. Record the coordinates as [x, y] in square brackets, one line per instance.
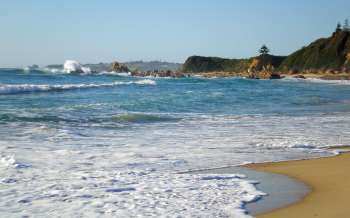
[92, 31]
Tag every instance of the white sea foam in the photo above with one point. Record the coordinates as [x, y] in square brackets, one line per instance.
[333, 82]
[135, 172]
[129, 193]
[10, 161]
[316, 80]
[24, 88]
[128, 172]
[52, 70]
[145, 82]
[71, 66]
[114, 73]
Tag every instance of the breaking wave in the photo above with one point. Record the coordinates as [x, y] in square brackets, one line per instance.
[142, 118]
[71, 66]
[28, 88]
[130, 118]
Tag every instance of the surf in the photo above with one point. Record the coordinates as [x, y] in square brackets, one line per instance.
[6, 89]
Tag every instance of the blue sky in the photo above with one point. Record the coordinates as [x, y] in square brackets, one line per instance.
[90, 31]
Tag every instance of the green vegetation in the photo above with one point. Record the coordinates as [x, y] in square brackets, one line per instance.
[264, 50]
[199, 64]
[196, 64]
[323, 54]
[338, 29]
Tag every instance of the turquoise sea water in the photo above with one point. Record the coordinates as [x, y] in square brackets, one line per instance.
[106, 144]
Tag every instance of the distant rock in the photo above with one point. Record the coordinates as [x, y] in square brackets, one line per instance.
[32, 67]
[119, 68]
[159, 73]
[132, 66]
[153, 65]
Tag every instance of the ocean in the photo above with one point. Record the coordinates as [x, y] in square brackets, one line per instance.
[110, 145]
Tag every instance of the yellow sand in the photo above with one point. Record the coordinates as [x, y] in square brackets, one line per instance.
[329, 181]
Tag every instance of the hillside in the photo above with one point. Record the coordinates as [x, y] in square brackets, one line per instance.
[199, 64]
[331, 53]
[325, 57]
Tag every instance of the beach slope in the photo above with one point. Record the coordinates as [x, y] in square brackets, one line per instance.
[328, 179]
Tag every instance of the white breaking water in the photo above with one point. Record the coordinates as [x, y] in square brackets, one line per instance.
[133, 172]
[23, 88]
[71, 66]
[123, 193]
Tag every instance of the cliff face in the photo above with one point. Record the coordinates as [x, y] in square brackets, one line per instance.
[199, 64]
[331, 53]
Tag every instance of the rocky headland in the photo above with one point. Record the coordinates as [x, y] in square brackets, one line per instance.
[325, 58]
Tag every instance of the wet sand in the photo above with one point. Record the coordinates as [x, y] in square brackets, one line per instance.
[281, 190]
[329, 182]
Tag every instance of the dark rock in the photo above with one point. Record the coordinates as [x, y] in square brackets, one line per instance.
[300, 77]
[157, 73]
[275, 76]
[119, 68]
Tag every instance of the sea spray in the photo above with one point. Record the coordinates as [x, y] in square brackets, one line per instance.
[71, 66]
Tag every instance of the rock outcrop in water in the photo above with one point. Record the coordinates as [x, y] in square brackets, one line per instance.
[119, 68]
[263, 67]
[122, 68]
[159, 73]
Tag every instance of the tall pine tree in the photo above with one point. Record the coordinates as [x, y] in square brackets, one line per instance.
[338, 29]
[264, 50]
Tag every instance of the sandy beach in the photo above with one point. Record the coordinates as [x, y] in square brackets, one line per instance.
[328, 179]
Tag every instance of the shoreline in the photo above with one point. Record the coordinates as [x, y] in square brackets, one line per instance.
[269, 183]
[326, 178]
[273, 75]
